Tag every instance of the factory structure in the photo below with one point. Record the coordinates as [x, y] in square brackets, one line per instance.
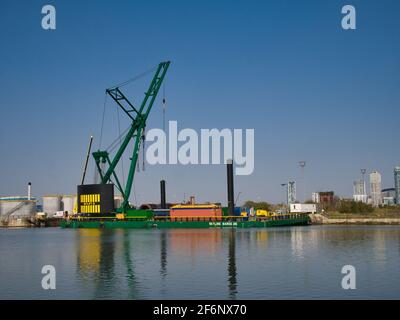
[26, 211]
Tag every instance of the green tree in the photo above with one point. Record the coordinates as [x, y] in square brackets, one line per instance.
[258, 205]
[351, 206]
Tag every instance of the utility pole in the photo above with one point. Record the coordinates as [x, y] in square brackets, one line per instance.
[302, 165]
[363, 171]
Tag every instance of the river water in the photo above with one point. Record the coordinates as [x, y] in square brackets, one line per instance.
[277, 263]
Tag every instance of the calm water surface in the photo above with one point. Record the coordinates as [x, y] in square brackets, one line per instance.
[276, 263]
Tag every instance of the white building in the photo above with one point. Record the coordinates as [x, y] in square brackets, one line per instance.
[376, 187]
[303, 208]
[360, 191]
[315, 197]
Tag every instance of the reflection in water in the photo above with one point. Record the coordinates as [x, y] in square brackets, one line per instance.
[195, 241]
[297, 243]
[380, 248]
[232, 282]
[95, 258]
[261, 238]
[123, 263]
[130, 267]
[88, 251]
[105, 281]
[163, 258]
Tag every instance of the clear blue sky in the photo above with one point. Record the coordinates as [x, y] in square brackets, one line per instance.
[311, 90]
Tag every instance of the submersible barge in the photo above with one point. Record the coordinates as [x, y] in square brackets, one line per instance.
[95, 202]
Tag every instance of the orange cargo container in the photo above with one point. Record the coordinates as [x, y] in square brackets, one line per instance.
[196, 212]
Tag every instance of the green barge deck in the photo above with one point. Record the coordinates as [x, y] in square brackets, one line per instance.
[110, 223]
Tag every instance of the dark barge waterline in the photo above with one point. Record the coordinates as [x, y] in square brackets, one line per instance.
[292, 220]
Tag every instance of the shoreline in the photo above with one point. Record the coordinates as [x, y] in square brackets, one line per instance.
[319, 219]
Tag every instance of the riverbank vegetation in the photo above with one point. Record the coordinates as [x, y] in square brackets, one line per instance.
[383, 212]
[350, 206]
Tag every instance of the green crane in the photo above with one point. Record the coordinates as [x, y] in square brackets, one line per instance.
[136, 132]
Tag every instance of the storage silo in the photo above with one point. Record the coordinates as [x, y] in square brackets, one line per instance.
[17, 211]
[67, 202]
[51, 204]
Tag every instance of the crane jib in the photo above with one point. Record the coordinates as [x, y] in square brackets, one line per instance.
[139, 117]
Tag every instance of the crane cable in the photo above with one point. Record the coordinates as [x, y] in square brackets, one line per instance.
[96, 173]
[141, 75]
[164, 105]
[102, 119]
[143, 146]
[120, 142]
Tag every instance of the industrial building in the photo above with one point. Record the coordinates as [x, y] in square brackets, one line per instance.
[315, 197]
[18, 211]
[376, 188]
[388, 196]
[326, 197]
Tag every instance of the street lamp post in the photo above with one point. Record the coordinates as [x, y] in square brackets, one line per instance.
[302, 164]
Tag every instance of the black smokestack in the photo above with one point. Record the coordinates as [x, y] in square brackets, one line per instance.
[231, 203]
[162, 187]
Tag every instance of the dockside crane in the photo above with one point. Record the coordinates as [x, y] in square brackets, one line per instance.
[135, 132]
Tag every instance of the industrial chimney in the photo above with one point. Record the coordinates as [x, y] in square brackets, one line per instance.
[231, 200]
[163, 202]
[29, 190]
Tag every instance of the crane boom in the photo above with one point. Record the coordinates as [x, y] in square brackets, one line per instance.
[139, 117]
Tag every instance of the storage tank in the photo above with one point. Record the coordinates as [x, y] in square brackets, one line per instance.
[51, 204]
[17, 211]
[118, 201]
[67, 202]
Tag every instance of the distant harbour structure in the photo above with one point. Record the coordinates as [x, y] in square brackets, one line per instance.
[397, 184]
[376, 188]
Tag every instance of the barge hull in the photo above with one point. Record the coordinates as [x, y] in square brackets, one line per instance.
[149, 224]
